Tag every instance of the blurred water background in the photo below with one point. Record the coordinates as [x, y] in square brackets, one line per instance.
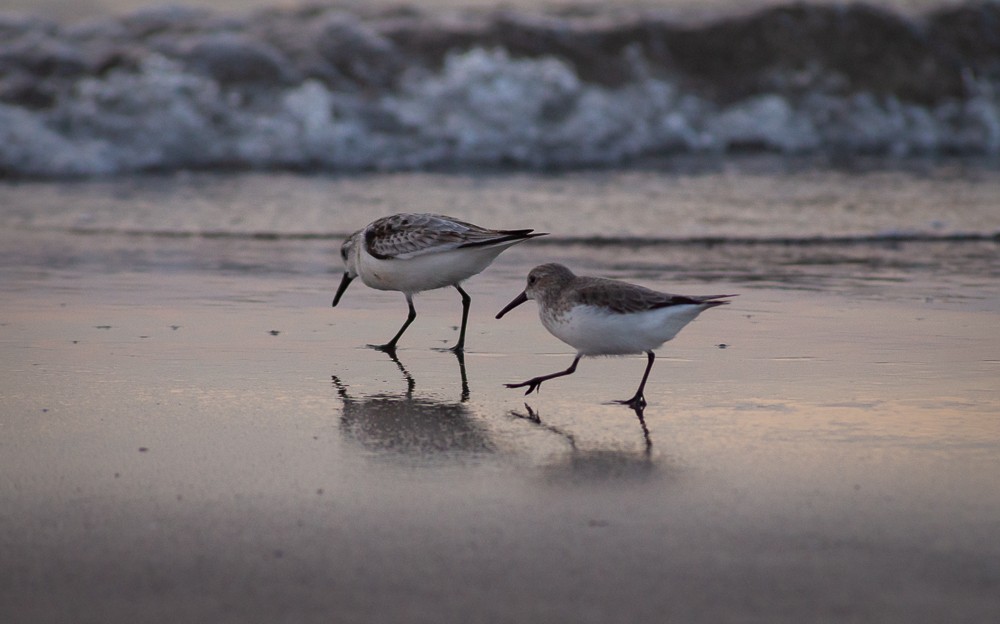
[386, 87]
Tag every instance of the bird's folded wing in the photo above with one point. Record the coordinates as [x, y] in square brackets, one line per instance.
[628, 298]
[408, 236]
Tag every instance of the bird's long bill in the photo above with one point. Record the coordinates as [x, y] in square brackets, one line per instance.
[518, 300]
[344, 283]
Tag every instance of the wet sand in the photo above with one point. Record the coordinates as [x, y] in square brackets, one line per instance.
[219, 446]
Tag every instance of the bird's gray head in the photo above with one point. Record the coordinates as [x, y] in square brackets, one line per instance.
[543, 280]
[546, 278]
[348, 253]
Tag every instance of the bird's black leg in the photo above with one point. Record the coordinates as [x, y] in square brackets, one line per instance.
[390, 347]
[535, 382]
[638, 401]
[466, 301]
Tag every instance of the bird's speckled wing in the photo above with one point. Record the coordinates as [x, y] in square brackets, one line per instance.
[625, 298]
[407, 235]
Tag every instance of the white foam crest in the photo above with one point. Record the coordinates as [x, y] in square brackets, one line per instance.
[483, 107]
[487, 107]
[768, 121]
[29, 147]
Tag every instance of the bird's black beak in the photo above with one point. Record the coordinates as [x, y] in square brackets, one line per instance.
[518, 300]
[344, 283]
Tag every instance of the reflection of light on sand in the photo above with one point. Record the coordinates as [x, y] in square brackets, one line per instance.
[849, 462]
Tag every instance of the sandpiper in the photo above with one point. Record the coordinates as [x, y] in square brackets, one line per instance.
[601, 316]
[412, 253]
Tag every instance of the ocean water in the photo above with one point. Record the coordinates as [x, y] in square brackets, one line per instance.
[752, 218]
[357, 88]
[930, 229]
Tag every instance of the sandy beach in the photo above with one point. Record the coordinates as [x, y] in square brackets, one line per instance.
[191, 433]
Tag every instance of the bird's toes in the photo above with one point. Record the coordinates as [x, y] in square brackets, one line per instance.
[531, 383]
[386, 348]
[636, 402]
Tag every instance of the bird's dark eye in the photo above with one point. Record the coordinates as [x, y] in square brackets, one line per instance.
[531, 280]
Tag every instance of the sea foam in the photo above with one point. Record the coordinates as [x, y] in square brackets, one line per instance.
[171, 88]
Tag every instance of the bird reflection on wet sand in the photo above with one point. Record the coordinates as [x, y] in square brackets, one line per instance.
[411, 426]
[597, 465]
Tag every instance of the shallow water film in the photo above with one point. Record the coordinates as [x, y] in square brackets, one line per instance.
[189, 425]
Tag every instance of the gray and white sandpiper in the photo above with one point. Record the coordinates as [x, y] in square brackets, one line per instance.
[601, 316]
[412, 253]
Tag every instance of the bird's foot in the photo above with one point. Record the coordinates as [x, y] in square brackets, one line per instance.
[389, 348]
[533, 385]
[637, 403]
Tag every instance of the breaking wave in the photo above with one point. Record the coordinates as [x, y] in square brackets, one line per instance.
[323, 89]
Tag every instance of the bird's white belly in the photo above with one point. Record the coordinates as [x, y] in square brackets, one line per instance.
[426, 272]
[594, 331]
